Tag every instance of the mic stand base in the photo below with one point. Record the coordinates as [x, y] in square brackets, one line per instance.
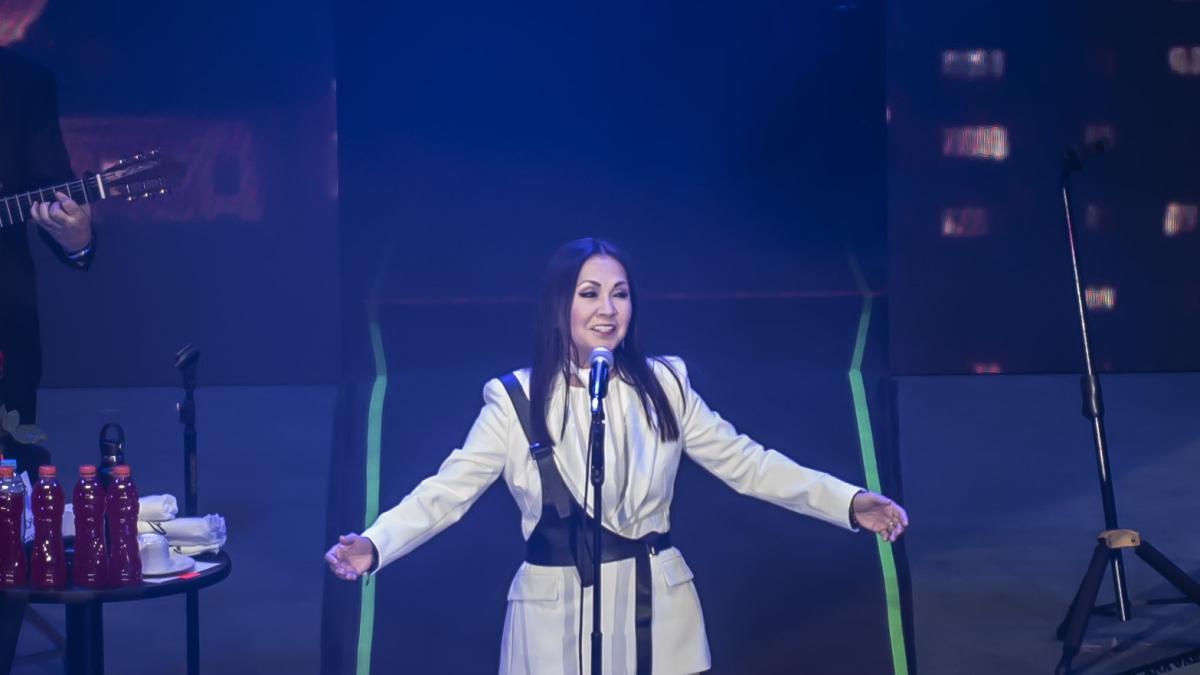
[1111, 543]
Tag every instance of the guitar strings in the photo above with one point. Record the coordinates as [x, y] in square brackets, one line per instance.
[25, 200]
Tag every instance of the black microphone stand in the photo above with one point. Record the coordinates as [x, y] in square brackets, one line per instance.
[1113, 539]
[185, 362]
[596, 451]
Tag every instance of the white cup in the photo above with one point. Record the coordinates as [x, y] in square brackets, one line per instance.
[155, 553]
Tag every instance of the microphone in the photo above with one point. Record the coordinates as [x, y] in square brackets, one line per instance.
[1075, 156]
[602, 361]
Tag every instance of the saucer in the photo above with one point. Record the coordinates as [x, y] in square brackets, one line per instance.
[178, 565]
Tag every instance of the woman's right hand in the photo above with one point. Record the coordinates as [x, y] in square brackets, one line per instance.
[351, 557]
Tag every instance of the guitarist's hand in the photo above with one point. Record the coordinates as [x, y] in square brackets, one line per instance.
[69, 223]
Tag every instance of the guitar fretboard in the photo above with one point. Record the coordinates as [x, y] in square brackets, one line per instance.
[15, 208]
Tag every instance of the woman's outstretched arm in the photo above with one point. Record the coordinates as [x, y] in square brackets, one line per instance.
[438, 501]
[749, 468]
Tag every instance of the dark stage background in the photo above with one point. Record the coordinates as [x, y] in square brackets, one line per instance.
[984, 97]
[242, 258]
[737, 151]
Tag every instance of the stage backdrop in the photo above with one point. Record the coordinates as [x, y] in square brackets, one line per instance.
[242, 258]
[983, 99]
[737, 151]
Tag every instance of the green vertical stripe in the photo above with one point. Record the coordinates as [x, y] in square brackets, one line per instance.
[366, 616]
[866, 442]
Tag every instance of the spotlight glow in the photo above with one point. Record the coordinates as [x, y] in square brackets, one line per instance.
[976, 142]
[1184, 60]
[973, 64]
[1180, 218]
[964, 222]
[1100, 298]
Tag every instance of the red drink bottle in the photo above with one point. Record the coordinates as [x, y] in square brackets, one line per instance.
[91, 561]
[13, 572]
[124, 562]
[48, 562]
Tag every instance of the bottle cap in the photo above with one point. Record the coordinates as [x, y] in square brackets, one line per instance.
[47, 471]
[121, 471]
[87, 470]
[6, 471]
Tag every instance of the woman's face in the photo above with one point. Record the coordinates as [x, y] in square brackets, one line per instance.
[601, 308]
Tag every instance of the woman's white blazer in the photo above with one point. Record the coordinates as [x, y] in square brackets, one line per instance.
[545, 603]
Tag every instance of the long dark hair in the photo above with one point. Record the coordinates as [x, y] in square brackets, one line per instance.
[554, 351]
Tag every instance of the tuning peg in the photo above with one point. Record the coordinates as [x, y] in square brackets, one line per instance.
[164, 191]
[121, 162]
[131, 197]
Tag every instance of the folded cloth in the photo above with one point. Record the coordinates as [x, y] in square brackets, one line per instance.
[157, 507]
[153, 508]
[206, 531]
[184, 549]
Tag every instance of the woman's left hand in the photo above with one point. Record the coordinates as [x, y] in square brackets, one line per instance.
[880, 515]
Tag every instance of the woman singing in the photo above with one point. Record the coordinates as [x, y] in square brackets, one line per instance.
[533, 430]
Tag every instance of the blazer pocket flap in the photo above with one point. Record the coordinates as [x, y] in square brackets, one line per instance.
[535, 587]
[676, 571]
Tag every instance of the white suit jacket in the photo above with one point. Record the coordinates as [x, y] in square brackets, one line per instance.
[545, 603]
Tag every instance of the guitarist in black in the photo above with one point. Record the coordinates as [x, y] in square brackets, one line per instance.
[32, 155]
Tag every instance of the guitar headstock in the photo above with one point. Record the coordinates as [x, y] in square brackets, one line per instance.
[143, 175]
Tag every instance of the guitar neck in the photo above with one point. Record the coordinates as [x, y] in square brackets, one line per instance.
[14, 209]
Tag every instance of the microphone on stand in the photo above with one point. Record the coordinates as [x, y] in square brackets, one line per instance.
[601, 360]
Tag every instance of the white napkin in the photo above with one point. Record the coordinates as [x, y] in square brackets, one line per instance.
[157, 507]
[151, 508]
[189, 550]
[206, 531]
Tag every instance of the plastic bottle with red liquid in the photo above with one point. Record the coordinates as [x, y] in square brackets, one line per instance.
[48, 561]
[13, 569]
[121, 500]
[90, 568]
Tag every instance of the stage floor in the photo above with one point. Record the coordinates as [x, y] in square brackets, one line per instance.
[1000, 478]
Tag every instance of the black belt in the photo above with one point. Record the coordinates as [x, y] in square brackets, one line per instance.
[553, 546]
[550, 544]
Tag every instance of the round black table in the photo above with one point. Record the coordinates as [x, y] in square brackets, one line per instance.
[85, 620]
